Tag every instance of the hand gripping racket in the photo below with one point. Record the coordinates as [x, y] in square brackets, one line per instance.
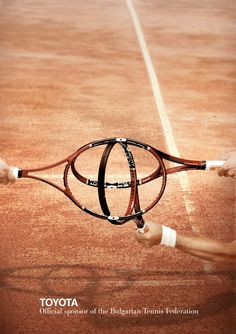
[133, 211]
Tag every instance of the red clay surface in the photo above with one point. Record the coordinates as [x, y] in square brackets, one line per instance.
[72, 72]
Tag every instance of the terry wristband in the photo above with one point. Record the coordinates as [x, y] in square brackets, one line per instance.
[168, 236]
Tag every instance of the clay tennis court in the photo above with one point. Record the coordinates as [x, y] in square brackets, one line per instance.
[162, 72]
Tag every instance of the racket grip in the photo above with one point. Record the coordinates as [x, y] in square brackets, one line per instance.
[214, 164]
[15, 171]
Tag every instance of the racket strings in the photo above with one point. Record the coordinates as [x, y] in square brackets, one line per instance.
[133, 209]
[102, 184]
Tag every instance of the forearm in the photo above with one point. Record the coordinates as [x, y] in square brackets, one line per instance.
[204, 248]
[207, 249]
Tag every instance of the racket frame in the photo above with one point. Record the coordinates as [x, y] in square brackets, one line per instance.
[133, 211]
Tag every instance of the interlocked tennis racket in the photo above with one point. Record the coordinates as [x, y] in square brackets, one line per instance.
[134, 210]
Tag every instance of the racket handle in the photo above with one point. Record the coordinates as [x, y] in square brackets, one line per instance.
[214, 164]
[15, 171]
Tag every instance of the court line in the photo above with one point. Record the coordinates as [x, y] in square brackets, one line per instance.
[166, 125]
[165, 122]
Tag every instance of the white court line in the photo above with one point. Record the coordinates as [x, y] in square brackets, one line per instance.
[169, 137]
[167, 129]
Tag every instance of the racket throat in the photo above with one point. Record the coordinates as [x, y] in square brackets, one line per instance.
[139, 221]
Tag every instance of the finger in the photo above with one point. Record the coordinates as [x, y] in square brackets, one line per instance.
[221, 171]
[231, 173]
[5, 181]
[3, 173]
[11, 177]
[228, 173]
[140, 236]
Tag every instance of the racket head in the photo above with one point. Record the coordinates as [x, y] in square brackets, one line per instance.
[133, 183]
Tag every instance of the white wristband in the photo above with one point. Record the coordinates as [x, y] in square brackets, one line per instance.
[168, 236]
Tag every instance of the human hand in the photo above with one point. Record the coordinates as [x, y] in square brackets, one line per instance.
[229, 167]
[151, 237]
[6, 174]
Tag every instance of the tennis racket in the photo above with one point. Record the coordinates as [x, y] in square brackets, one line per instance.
[134, 210]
